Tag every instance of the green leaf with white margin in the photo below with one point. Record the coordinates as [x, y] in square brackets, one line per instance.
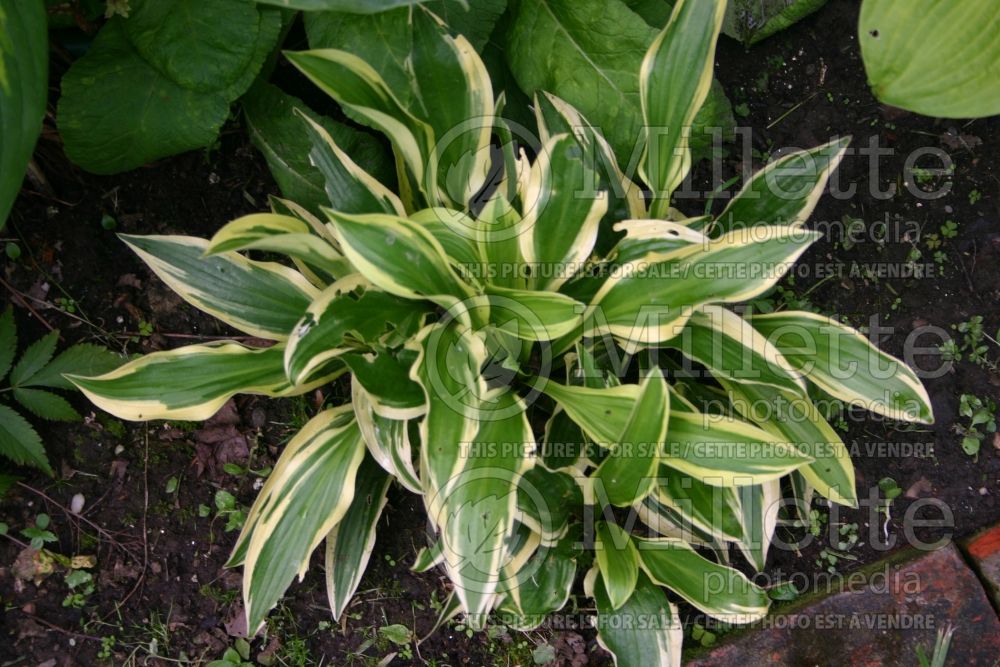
[34, 359]
[533, 315]
[628, 473]
[541, 586]
[46, 405]
[501, 226]
[723, 451]
[279, 234]
[759, 505]
[298, 145]
[674, 82]
[24, 79]
[309, 491]
[546, 500]
[617, 560]
[475, 509]
[711, 508]
[935, 58]
[842, 362]
[786, 191]
[719, 591]
[8, 340]
[457, 233]
[193, 382]
[427, 558]
[603, 413]
[385, 375]
[349, 187]
[20, 443]
[400, 257]
[367, 98]
[349, 545]
[730, 347]
[795, 419]
[340, 320]
[656, 642]
[263, 299]
[560, 221]
[649, 300]
[645, 236]
[388, 440]
[563, 442]
[448, 368]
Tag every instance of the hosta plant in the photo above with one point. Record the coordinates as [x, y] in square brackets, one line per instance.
[546, 351]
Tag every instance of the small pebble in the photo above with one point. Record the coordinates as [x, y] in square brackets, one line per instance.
[119, 449]
[76, 504]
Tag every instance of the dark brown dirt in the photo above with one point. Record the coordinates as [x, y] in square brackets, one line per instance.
[170, 586]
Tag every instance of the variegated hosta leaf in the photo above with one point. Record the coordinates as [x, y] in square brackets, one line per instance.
[366, 97]
[428, 557]
[541, 586]
[457, 233]
[500, 229]
[476, 508]
[715, 589]
[281, 234]
[448, 368]
[713, 509]
[349, 545]
[759, 505]
[260, 298]
[546, 501]
[340, 320]
[602, 413]
[388, 440]
[308, 493]
[674, 82]
[722, 451]
[668, 522]
[653, 642]
[385, 375]
[560, 218]
[402, 258]
[563, 443]
[784, 192]
[618, 561]
[556, 116]
[648, 301]
[796, 420]
[350, 188]
[646, 236]
[730, 347]
[533, 315]
[842, 362]
[193, 382]
[628, 473]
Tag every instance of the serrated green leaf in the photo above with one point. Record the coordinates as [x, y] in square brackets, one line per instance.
[46, 405]
[19, 442]
[80, 359]
[34, 358]
[23, 92]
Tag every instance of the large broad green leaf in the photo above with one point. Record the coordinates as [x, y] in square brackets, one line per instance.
[717, 590]
[349, 545]
[474, 19]
[261, 298]
[649, 300]
[618, 562]
[475, 509]
[24, 77]
[350, 6]
[192, 382]
[560, 223]
[730, 347]
[753, 20]
[307, 494]
[932, 57]
[133, 98]
[645, 631]
[589, 53]
[786, 191]
[674, 81]
[842, 362]
[307, 155]
[722, 451]
[628, 473]
[19, 442]
[794, 419]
